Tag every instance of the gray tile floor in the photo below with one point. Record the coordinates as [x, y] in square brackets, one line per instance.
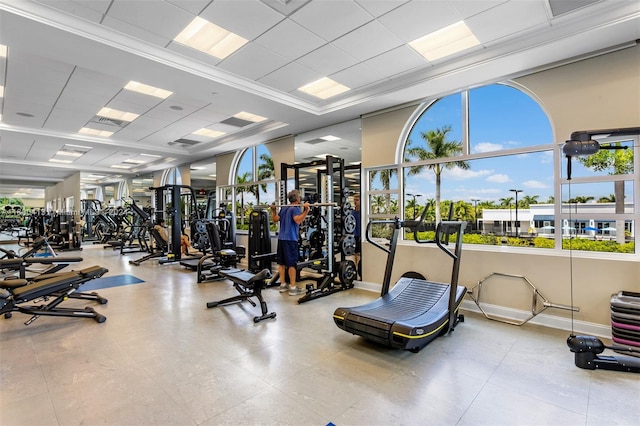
[162, 358]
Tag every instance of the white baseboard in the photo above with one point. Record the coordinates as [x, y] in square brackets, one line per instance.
[543, 319]
[510, 314]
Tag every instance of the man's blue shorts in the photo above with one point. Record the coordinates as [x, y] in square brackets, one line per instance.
[287, 253]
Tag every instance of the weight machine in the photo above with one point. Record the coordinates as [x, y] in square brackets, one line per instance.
[326, 236]
[168, 207]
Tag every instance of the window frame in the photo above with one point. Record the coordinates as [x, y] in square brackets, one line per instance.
[467, 155]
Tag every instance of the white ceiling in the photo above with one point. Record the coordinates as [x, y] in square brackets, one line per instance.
[69, 58]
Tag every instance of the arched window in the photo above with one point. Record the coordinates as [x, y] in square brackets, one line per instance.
[484, 156]
[254, 183]
[171, 176]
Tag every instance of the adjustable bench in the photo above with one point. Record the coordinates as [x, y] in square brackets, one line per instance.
[248, 285]
[20, 264]
[58, 288]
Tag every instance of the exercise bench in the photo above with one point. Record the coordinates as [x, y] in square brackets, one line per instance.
[54, 289]
[248, 285]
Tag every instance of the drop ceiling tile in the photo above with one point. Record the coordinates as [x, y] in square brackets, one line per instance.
[331, 19]
[192, 6]
[290, 40]
[159, 18]
[134, 31]
[400, 60]
[170, 115]
[209, 116]
[290, 77]
[415, 19]
[253, 61]
[125, 106]
[247, 18]
[18, 149]
[137, 130]
[378, 8]
[69, 120]
[498, 23]
[327, 60]
[468, 8]
[129, 97]
[358, 76]
[84, 81]
[371, 39]
[77, 8]
[285, 7]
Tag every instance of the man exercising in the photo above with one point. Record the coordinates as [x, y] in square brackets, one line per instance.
[290, 218]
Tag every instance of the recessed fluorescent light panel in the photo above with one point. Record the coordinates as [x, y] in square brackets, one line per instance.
[324, 88]
[145, 89]
[121, 166]
[69, 153]
[117, 115]
[95, 132]
[3, 51]
[209, 38]
[446, 41]
[247, 116]
[209, 133]
[330, 138]
[1, 91]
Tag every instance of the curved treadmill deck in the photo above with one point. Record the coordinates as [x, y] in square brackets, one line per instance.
[412, 314]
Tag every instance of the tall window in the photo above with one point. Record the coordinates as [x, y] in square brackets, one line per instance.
[254, 184]
[487, 156]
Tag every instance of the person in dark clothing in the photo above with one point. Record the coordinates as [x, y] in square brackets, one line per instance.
[290, 218]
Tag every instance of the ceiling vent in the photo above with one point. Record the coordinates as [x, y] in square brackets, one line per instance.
[236, 122]
[108, 121]
[183, 142]
[560, 7]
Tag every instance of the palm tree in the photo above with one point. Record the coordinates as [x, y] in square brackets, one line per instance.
[551, 199]
[439, 148]
[610, 199]
[412, 205]
[385, 176]
[580, 199]
[266, 170]
[505, 202]
[379, 204]
[527, 200]
[241, 179]
[463, 210]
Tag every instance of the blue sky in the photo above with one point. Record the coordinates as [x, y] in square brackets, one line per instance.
[500, 117]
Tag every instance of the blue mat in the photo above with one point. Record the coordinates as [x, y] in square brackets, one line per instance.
[108, 282]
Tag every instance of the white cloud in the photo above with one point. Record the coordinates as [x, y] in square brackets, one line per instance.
[460, 174]
[486, 147]
[498, 178]
[534, 184]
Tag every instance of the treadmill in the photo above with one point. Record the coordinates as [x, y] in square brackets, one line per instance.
[415, 311]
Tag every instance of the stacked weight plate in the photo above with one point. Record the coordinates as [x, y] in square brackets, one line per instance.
[625, 319]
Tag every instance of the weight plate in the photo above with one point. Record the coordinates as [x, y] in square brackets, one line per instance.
[348, 245]
[201, 227]
[349, 224]
[347, 272]
[346, 207]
